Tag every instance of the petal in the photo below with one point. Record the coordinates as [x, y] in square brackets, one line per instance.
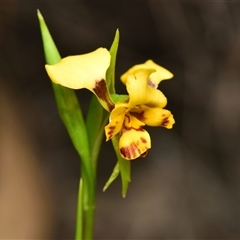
[141, 93]
[155, 117]
[84, 71]
[80, 71]
[116, 121]
[134, 143]
[155, 78]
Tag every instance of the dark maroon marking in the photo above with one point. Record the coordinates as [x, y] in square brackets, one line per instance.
[102, 92]
[111, 128]
[133, 148]
[151, 84]
[125, 152]
[110, 133]
[165, 122]
[130, 151]
[139, 116]
[128, 118]
[143, 140]
[144, 154]
[140, 129]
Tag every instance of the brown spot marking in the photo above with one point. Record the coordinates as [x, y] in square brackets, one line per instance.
[139, 116]
[151, 84]
[144, 154]
[165, 122]
[143, 140]
[125, 152]
[111, 128]
[110, 133]
[140, 129]
[133, 148]
[129, 152]
[126, 128]
[102, 92]
[128, 118]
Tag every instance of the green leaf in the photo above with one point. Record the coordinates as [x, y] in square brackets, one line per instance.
[113, 176]
[119, 98]
[97, 118]
[67, 102]
[124, 168]
[50, 50]
[110, 76]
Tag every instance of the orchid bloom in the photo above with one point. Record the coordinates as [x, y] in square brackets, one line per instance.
[145, 104]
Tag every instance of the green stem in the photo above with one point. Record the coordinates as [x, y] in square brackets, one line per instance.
[88, 207]
[85, 210]
[79, 219]
[124, 166]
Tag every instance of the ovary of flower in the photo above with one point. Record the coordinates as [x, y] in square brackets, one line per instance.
[145, 106]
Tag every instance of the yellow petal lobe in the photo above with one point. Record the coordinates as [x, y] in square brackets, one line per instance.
[134, 141]
[155, 78]
[80, 71]
[155, 117]
[116, 122]
[141, 93]
[84, 71]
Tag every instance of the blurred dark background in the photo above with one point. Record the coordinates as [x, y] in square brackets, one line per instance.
[188, 185]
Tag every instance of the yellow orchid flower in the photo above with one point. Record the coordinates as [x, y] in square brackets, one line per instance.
[145, 104]
[145, 107]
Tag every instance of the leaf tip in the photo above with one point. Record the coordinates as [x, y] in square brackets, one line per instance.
[124, 195]
[117, 32]
[40, 17]
[105, 188]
